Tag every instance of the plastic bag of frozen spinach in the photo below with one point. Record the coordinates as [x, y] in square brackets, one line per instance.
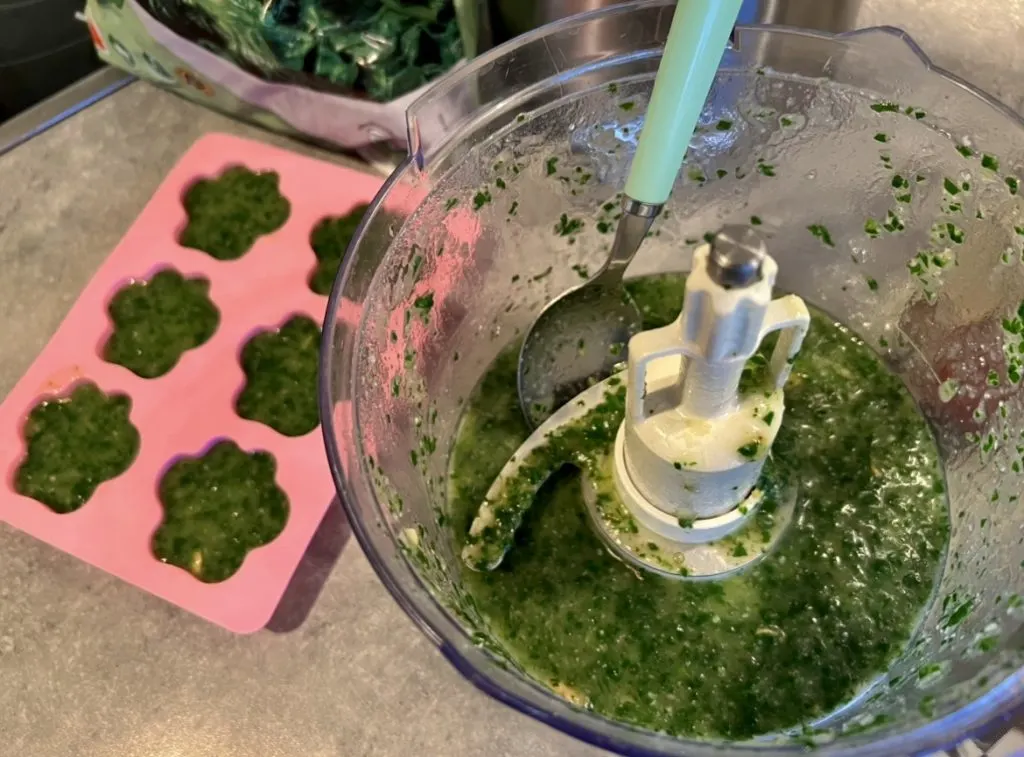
[379, 48]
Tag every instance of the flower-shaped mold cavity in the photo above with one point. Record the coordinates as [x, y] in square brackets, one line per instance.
[280, 368]
[74, 444]
[329, 240]
[217, 508]
[156, 322]
[228, 214]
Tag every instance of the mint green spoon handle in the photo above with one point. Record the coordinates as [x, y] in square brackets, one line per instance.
[698, 37]
[699, 33]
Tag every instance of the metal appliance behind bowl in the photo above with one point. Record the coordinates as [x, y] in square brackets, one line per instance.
[514, 17]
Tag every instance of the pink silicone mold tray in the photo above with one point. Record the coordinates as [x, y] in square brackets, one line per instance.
[185, 411]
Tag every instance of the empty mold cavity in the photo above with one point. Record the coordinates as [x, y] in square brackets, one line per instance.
[74, 444]
[228, 214]
[218, 507]
[329, 241]
[280, 371]
[155, 322]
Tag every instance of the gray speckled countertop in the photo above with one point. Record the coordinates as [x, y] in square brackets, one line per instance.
[91, 666]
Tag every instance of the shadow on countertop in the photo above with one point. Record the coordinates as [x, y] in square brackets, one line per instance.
[308, 581]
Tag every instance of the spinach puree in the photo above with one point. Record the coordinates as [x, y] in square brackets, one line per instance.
[228, 214]
[330, 240]
[157, 321]
[217, 508]
[777, 646]
[280, 371]
[74, 444]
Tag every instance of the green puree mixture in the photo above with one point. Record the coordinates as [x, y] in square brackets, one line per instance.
[157, 321]
[280, 371]
[228, 214]
[74, 444]
[781, 644]
[330, 240]
[217, 508]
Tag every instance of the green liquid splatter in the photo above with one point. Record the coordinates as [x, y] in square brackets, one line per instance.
[822, 233]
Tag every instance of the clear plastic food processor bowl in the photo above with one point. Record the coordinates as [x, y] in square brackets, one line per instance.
[888, 192]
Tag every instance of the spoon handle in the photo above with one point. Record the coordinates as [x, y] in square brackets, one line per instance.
[637, 219]
[698, 36]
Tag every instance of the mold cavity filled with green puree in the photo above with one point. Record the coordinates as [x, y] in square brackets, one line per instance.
[228, 214]
[74, 444]
[217, 508]
[329, 240]
[777, 646]
[157, 321]
[280, 370]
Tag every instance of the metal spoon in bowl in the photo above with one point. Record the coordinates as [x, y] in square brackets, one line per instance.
[582, 334]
